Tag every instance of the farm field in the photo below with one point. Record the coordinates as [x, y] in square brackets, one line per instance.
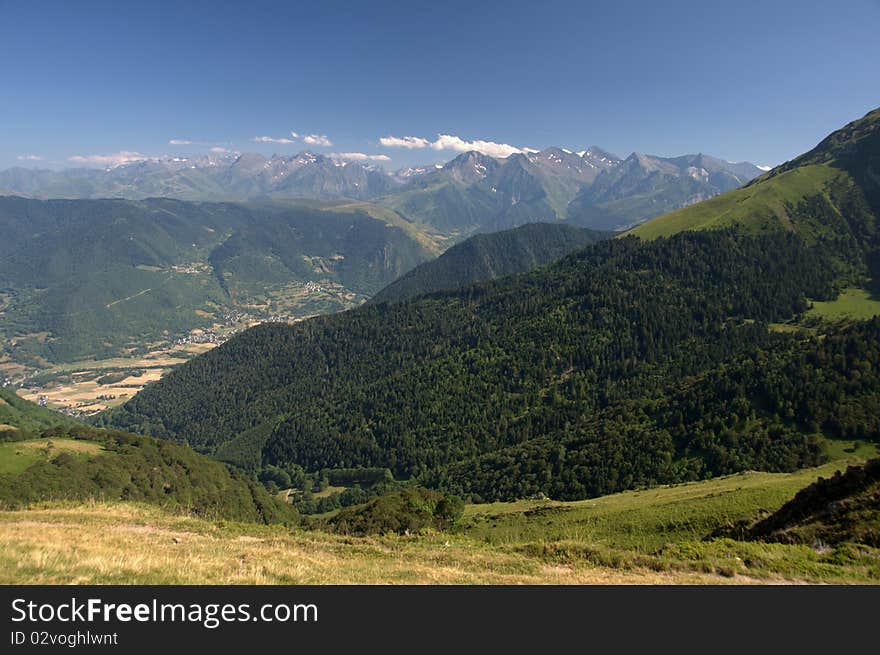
[87, 387]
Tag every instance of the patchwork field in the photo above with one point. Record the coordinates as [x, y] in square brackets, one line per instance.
[87, 387]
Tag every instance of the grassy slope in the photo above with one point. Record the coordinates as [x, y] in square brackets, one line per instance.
[846, 160]
[758, 207]
[19, 413]
[16, 456]
[645, 520]
[652, 536]
[135, 544]
[80, 464]
[424, 236]
[853, 303]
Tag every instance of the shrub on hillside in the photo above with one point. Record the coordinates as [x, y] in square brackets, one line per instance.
[403, 512]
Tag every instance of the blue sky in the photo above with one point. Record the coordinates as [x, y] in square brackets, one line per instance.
[83, 82]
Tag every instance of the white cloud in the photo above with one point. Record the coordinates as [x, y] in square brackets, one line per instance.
[29, 158]
[763, 167]
[404, 142]
[360, 156]
[116, 159]
[179, 142]
[450, 142]
[272, 139]
[294, 134]
[218, 150]
[317, 140]
[455, 143]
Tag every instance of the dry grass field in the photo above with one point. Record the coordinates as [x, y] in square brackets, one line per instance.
[134, 544]
[652, 536]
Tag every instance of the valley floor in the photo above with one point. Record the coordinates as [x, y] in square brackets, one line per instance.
[654, 536]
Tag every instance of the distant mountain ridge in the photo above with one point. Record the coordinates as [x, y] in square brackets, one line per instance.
[642, 186]
[593, 189]
[247, 176]
[485, 257]
[472, 192]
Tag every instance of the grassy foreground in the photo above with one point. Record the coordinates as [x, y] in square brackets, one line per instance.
[653, 536]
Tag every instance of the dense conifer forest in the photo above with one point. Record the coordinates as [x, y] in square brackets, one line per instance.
[624, 364]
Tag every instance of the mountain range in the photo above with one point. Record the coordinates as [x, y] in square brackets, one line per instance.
[473, 192]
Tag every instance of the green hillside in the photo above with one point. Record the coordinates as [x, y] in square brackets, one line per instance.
[644, 521]
[760, 207]
[21, 414]
[844, 507]
[488, 256]
[79, 463]
[831, 192]
[98, 278]
[628, 363]
[449, 206]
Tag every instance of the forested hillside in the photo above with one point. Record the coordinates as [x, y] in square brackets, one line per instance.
[20, 414]
[80, 463]
[631, 362]
[464, 389]
[488, 256]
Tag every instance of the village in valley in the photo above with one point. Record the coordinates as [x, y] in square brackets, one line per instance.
[84, 388]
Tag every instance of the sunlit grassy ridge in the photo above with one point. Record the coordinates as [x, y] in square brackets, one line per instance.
[758, 207]
[830, 191]
[644, 520]
[131, 544]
